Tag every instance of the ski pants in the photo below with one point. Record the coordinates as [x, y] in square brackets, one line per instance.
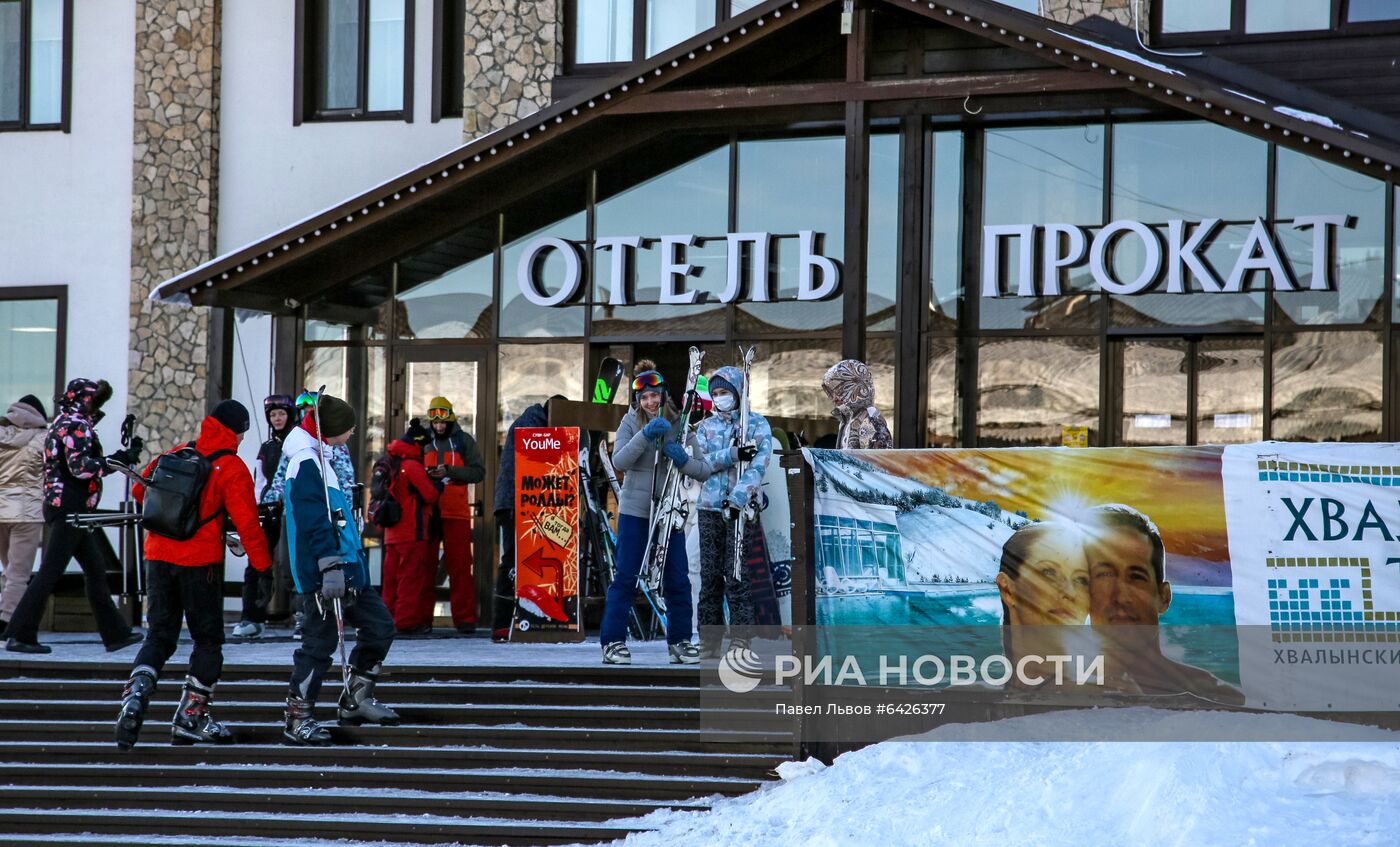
[258, 586]
[65, 543]
[622, 593]
[503, 603]
[193, 595]
[717, 580]
[409, 592]
[457, 556]
[19, 544]
[319, 638]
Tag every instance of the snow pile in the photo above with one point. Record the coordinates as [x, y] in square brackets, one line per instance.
[960, 792]
[950, 545]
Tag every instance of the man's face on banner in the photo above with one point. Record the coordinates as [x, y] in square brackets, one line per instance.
[1123, 587]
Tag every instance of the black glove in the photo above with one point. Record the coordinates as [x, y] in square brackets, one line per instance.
[332, 579]
[744, 453]
[135, 448]
[122, 457]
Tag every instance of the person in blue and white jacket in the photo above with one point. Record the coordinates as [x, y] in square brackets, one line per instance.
[329, 565]
[724, 494]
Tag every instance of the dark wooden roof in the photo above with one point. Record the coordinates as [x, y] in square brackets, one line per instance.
[690, 87]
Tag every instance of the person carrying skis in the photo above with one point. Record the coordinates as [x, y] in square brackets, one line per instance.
[184, 581]
[851, 389]
[644, 436]
[724, 442]
[281, 414]
[331, 577]
[73, 471]
[454, 463]
[409, 564]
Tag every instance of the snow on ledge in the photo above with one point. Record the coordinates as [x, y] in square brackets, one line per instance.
[1122, 54]
[1310, 117]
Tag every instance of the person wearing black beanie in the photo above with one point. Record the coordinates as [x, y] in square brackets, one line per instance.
[233, 415]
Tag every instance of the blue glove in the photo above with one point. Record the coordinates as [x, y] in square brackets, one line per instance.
[676, 453]
[658, 427]
[332, 579]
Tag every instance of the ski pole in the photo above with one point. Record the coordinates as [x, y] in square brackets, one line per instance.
[340, 637]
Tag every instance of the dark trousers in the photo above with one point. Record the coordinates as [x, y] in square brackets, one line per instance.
[194, 596]
[622, 593]
[319, 637]
[258, 585]
[717, 580]
[66, 542]
[503, 603]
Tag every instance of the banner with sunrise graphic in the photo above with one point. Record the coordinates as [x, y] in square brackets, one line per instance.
[1240, 572]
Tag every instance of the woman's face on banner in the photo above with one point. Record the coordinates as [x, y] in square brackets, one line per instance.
[1053, 585]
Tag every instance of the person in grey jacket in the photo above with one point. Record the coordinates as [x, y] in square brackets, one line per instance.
[644, 449]
[21, 496]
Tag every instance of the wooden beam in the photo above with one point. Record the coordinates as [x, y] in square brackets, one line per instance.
[931, 87]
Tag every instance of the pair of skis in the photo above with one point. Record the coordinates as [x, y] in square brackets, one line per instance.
[749, 510]
[668, 515]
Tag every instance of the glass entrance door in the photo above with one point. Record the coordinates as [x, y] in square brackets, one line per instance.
[1191, 390]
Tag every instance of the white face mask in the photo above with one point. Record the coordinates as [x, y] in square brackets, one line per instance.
[724, 402]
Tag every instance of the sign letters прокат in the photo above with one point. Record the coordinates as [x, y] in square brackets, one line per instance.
[818, 277]
[1062, 246]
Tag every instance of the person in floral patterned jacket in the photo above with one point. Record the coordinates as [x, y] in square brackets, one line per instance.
[73, 471]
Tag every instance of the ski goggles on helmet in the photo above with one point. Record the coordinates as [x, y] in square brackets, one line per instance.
[440, 414]
[306, 399]
[278, 401]
[648, 381]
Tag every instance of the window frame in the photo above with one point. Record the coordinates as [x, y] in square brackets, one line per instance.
[1236, 33]
[64, 123]
[449, 49]
[572, 67]
[305, 70]
[58, 293]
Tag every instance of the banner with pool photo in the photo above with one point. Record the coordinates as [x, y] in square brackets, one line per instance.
[1263, 574]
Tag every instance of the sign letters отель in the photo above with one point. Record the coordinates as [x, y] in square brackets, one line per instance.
[547, 535]
[818, 276]
[1171, 259]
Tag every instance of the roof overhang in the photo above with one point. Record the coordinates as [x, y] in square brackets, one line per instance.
[407, 212]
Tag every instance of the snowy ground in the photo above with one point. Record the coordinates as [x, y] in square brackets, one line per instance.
[960, 792]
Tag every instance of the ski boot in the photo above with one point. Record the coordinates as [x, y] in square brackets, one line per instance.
[135, 697]
[301, 728]
[357, 703]
[616, 653]
[193, 724]
[684, 653]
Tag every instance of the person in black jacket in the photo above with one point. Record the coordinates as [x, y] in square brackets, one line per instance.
[282, 416]
[504, 600]
[73, 471]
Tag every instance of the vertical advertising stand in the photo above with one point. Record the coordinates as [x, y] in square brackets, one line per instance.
[547, 589]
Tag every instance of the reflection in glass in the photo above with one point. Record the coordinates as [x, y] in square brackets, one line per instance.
[603, 31]
[787, 185]
[881, 355]
[10, 40]
[1229, 390]
[532, 373]
[324, 331]
[786, 378]
[455, 305]
[670, 22]
[944, 410]
[45, 61]
[1327, 386]
[385, 66]
[338, 40]
[1154, 384]
[1034, 176]
[1195, 15]
[519, 317]
[1286, 15]
[882, 236]
[372, 432]
[455, 380]
[1307, 186]
[328, 366]
[945, 262]
[737, 6]
[1031, 389]
[1162, 309]
[1361, 11]
[28, 350]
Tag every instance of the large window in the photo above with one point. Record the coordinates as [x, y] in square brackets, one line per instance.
[357, 58]
[607, 32]
[1227, 19]
[1035, 391]
[35, 57]
[31, 344]
[532, 373]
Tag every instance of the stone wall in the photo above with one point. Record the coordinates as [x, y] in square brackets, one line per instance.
[173, 207]
[1121, 11]
[513, 50]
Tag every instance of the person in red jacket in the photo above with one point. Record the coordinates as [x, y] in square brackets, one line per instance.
[454, 463]
[184, 579]
[409, 565]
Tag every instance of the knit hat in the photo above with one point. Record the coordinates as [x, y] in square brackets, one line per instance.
[719, 383]
[416, 433]
[231, 414]
[337, 416]
[34, 403]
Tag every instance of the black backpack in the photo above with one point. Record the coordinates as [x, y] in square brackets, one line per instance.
[174, 492]
[384, 511]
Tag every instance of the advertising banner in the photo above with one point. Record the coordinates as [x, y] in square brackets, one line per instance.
[547, 514]
[1264, 574]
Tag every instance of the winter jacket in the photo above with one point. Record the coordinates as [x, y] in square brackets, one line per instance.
[267, 464]
[413, 491]
[645, 467]
[457, 452]
[73, 462]
[852, 391]
[716, 438]
[228, 490]
[505, 477]
[22, 464]
[315, 542]
[338, 457]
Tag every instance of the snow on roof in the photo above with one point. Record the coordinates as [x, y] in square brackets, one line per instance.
[1122, 54]
[1310, 117]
